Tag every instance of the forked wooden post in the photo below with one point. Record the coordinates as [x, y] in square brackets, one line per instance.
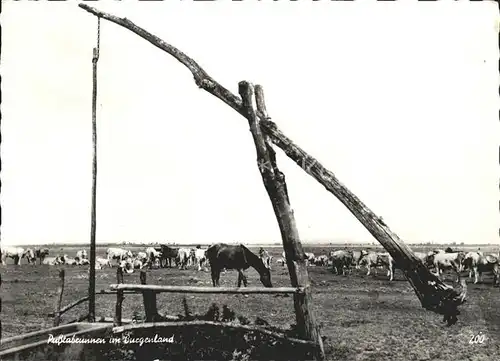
[274, 182]
[119, 298]
[60, 290]
[149, 299]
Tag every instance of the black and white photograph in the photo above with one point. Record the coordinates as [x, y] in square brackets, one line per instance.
[249, 180]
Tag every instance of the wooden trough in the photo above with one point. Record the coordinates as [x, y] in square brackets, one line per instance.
[208, 340]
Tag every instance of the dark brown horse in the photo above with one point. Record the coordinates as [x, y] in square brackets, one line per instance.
[236, 257]
[168, 255]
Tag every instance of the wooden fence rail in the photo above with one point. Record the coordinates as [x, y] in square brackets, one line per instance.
[210, 290]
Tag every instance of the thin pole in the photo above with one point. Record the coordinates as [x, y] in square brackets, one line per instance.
[95, 57]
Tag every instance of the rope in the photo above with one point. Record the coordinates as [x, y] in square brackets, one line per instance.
[98, 35]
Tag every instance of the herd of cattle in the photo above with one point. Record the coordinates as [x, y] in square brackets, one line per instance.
[476, 263]
[159, 256]
[222, 256]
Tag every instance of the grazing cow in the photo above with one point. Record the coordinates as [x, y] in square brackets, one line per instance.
[81, 257]
[441, 261]
[153, 255]
[379, 259]
[127, 265]
[41, 254]
[237, 257]
[102, 262]
[200, 258]
[309, 258]
[69, 261]
[142, 256]
[16, 253]
[82, 254]
[341, 261]
[53, 261]
[183, 257]
[477, 263]
[356, 256]
[321, 260]
[281, 261]
[30, 256]
[168, 255]
[265, 257]
[191, 260]
[138, 264]
[435, 251]
[421, 256]
[426, 258]
[119, 254]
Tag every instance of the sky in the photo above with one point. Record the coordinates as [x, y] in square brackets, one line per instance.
[399, 101]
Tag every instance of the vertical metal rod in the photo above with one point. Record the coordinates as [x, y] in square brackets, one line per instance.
[95, 57]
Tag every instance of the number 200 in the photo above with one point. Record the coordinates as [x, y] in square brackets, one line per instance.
[477, 339]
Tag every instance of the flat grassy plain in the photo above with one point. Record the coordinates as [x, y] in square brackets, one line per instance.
[363, 317]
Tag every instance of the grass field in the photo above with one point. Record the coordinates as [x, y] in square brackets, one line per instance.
[363, 317]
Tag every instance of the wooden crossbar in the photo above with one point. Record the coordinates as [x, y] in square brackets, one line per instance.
[223, 290]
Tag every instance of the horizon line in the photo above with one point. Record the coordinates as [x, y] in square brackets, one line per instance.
[268, 243]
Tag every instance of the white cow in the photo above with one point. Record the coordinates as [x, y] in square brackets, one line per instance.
[441, 261]
[426, 258]
[102, 262]
[127, 265]
[53, 261]
[138, 264]
[142, 256]
[30, 256]
[356, 257]
[183, 257]
[265, 257]
[69, 261]
[341, 261]
[153, 256]
[477, 263]
[16, 253]
[378, 259]
[81, 255]
[310, 258]
[119, 254]
[200, 258]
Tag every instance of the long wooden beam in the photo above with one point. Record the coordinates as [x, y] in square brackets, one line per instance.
[209, 290]
[432, 292]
